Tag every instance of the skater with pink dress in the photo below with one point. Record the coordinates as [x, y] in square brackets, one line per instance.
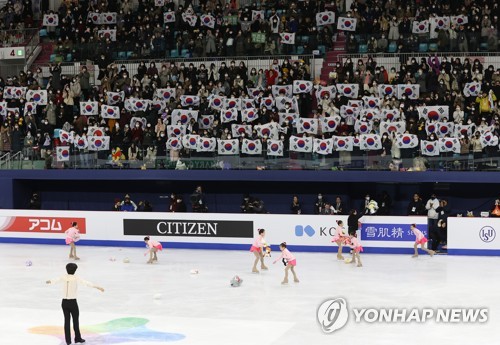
[421, 240]
[289, 261]
[340, 238]
[153, 247]
[256, 248]
[72, 236]
[355, 244]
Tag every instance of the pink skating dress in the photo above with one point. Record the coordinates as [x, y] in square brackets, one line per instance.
[339, 235]
[72, 235]
[419, 236]
[356, 245]
[155, 244]
[257, 244]
[290, 259]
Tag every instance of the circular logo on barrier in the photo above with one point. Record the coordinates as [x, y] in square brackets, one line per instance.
[487, 234]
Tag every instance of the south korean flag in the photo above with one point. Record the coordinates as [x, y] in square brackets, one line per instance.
[488, 139]
[267, 102]
[421, 27]
[50, 19]
[449, 145]
[189, 18]
[472, 89]
[206, 121]
[268, 130]
[228, 115]
[329, 124]
[343, 143]
[190, 141]
[3, 109]
[370, 114]
[94, 17]
[208, 20]
[390, 114]
[282, 90]
[325, 18]
[108, 18]
[217, 102]
[251, 147]
[183, 116]
[232, 103]
[301, 144]
[176, 130]
[108, 34]
[189, 101]
[326, 92]
[169, 17]
[362, 127]
[136, 104]
[257, 15]
[444, 129]
[165, 94]
[463, 130]
[302, 86]
[411, 91]
[441, 23]
[206, 144]
[38, 97]
[158, 105]
[160, 3]
[323, 146]
[89, 108]
[371, 102]
[429, 148]
[347, 111]
[387, 90]
[348, 90]
[247, 103]
[174, 143]
[392, 127]
[434, 112]
[370, 142]
[249, 115]
[110, 112]
[406, 141]
[290, 117]
[115, 97]
[307, 125]
[240, 130]
[347, 24]
[287, 38]
[275, 148]
[228, 147]
[459, 20]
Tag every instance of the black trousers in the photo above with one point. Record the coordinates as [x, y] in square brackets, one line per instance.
[70, 310]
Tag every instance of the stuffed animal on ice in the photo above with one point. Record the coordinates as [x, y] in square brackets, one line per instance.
[372, 207]
[267, 251]
[236, 281]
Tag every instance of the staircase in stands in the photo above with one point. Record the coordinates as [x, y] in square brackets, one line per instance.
[331, 56]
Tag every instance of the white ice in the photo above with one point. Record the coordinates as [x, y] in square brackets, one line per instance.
[206, 310]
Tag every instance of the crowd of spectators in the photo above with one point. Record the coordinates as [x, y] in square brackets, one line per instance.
[141, 135]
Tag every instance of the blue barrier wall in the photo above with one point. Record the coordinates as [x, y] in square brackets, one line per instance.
[96, 189]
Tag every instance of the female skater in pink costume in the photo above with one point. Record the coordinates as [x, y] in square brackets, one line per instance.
[256, 249]
[340, 238]
[356, 249]
[289, 261]
[72, 236]
[420, 239]
[153, 248]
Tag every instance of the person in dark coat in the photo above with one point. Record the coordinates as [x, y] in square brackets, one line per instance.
[416, 206]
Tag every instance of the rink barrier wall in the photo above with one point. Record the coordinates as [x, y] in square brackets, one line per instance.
[307, 233]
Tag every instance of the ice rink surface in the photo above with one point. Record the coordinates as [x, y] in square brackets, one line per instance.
[163, 303]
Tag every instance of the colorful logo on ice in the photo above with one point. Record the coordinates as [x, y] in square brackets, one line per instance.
[124, 330]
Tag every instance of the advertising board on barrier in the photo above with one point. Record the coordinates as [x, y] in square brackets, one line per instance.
[42, 224]
[183, 227]
[378, 234]
[473, 236]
